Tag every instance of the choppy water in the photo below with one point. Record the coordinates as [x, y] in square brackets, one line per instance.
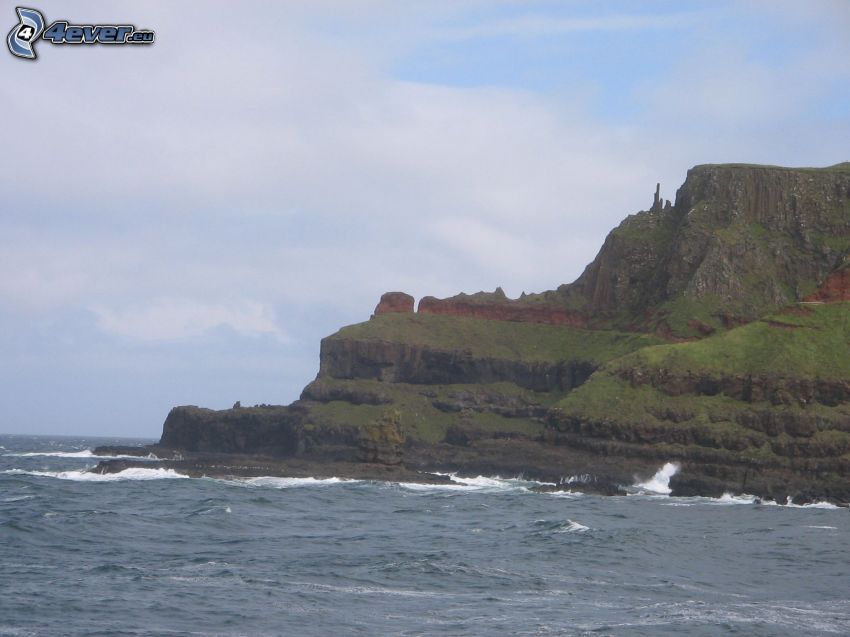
[147, 552]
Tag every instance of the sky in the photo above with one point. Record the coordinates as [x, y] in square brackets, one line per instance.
[183, 223]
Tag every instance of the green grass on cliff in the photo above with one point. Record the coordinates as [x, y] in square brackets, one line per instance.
[612, 407]
[841, 167]
[807, 341]
[498, 339]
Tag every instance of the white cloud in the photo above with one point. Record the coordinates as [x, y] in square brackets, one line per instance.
[176, 319]
[546, 25]
[278, 187]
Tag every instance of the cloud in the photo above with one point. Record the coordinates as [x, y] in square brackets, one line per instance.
[178, 319]
[529, 26]
[277, 187]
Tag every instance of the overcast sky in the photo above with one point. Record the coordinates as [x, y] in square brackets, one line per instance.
[182, 223]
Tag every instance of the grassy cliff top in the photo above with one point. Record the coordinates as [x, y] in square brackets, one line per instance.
[840, 167]
[498, 339]
[806, 341]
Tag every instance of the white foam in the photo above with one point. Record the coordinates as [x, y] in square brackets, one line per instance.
[572, 526]
[286, 483]
[493, 484]
[811, 505]
[86, 453]
[831, 528]
[743, 498]
[134, 473]
[660, 482]
[565, 494]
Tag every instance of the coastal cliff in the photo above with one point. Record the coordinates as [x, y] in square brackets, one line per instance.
[713, 331]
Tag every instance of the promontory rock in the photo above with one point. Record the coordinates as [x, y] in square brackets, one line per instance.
[713, 332]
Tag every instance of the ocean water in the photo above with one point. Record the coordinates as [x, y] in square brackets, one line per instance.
[149, 552]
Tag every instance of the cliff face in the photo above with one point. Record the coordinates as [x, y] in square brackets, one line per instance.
[683, 340]
[420, 365]
[739, 241]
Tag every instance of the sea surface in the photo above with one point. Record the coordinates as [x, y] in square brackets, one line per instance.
[149, 552]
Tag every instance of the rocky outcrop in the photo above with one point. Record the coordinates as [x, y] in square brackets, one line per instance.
[582, 392]
[382, 441]
[405, 363]
[269, 430]
[496, 307]
[739, 241]
[394, 302]
[322, 391]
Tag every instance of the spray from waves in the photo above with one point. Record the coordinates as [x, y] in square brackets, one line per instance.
[135, 473]
[87, 454]
[659, 484]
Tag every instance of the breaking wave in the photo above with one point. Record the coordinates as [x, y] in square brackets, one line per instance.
[493, 484]
[659, 484]
[287, 483]
[134, 473]
[86, 453]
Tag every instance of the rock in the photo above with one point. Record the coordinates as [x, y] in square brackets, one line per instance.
[394, 302]
[382, 442]
[836, 288]
[496, 307]
[402, 363]
[737, 242]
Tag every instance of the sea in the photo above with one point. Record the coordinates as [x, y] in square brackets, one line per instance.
[151, 552]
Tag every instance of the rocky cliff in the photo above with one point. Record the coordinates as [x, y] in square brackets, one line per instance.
[713, 331]
[739, 241]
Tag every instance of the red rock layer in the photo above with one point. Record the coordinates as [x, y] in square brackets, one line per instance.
[505, 311]
[836, 288]
[394, 302]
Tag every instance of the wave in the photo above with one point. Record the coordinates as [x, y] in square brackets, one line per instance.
[571, 526]
[494, 484]
[731, 499]
[86, 453]
[286, 483]
[811, 505]
[659, 484]
[134, 473]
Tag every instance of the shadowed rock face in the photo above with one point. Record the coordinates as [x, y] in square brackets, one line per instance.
[403, 363]
[394, 302]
